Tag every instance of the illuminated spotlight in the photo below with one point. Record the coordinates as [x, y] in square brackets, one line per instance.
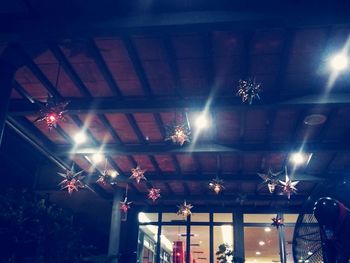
[258, 253]
[202, 121]
[97, 158]
[309, 253]
[339, 62]
[297, 158]
[261, 243]
[267, 229]
[80, 138]
[113, 173]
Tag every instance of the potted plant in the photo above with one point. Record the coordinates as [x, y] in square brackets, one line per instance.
[225, 254]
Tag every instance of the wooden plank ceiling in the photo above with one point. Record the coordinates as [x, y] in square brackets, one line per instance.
[194, 67]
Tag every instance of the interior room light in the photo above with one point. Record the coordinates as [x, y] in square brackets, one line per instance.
[202, 121]
[261, 243]
[298, 158]
[258, 253]
[267, 229]
[97, 158]
[226, 231]
[339, 62]
[113, 173]
[80, 138]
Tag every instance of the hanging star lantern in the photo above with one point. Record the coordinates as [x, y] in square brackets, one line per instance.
[288, 186]
[248, 90]
[277, 222]
[51, 111]
[217, 185]
[178, 134]
[72, 181]
[154, 194]
[106, 177]
[270, 179]
[184, 209]
[125, 205]
[138, 174]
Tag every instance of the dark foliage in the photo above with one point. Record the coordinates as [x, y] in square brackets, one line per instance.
[32, 229]
[226, 255]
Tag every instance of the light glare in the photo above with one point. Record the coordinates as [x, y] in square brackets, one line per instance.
[97, 158]
[267, 229]
[202, 121]
[339, 62]
[80, 138]
[261, 243]
[298, 158]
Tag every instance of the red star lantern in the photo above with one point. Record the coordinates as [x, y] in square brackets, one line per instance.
[154, 194]
[277, 222]
[125, 205]
[52, 111]
[288, 186]
[72, 181]
[138, 174]
[184, 209]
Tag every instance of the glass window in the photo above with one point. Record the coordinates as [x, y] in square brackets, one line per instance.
[289, 231]
[258, 218]
[148, 217]
[261, 245]
[147, 243]
[222, 235]
[200, 244]
[200, 217]
[222, 217]
[290, 218]
[173, 242]
[172, 217]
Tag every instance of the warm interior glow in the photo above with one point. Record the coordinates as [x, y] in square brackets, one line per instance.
[113, 173]
[226, 231]
[261, 243]
[339, 62]
[267, 229]
[80, 138]
[97, 158]
[298, 158]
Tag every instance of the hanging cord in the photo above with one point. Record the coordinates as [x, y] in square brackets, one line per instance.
[58, 75]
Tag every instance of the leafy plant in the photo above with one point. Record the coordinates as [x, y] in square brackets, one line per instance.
[225, 254]
[32, 229]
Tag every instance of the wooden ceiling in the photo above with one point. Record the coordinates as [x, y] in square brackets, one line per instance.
[124, 88]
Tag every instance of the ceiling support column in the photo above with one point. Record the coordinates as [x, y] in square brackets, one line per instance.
[114, 234]
[282, 241]
[129, 231]
[7, 72]
[238, 229]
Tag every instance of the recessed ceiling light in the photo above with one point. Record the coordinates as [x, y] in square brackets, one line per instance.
[112, 173]
[315, 119]
[80, 138]
[261, 243]
[97, 158]
[267, 229]
[297, 158]
[202, 121]
[258, 253]
[339, 62]
[309, 253]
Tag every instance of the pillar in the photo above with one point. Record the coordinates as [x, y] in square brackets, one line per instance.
[7, 72]
[129, 235]
[114, 234]
[282, 241]
[238, 230]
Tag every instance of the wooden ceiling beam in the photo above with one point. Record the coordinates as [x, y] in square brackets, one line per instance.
[20, 107]
[165, 148]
